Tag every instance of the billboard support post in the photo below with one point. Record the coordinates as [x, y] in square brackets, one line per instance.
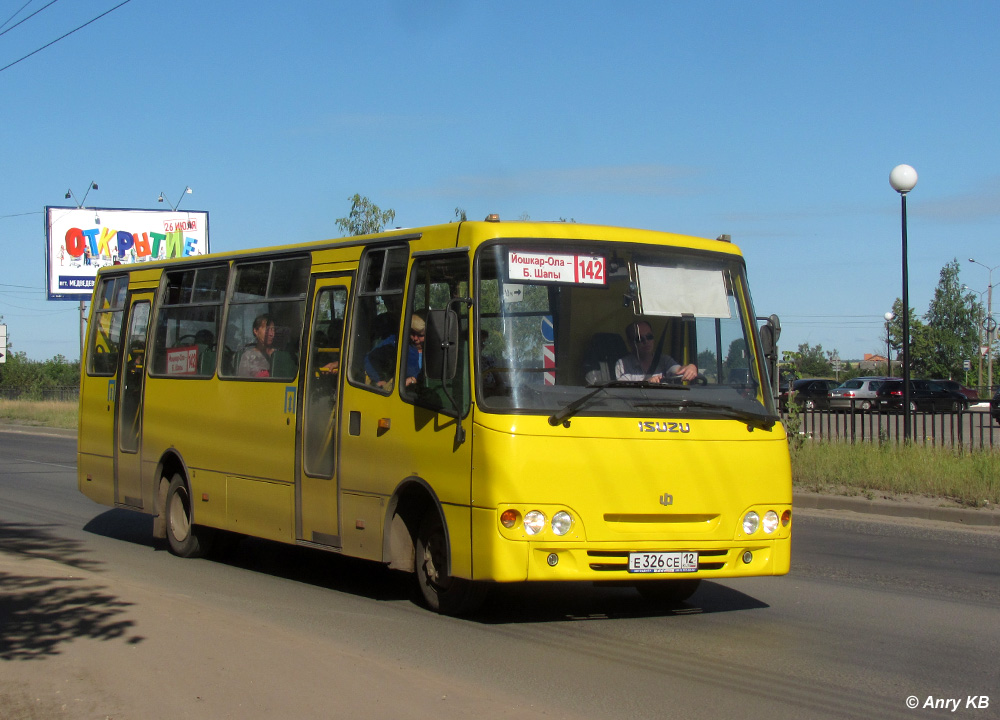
[83, 329]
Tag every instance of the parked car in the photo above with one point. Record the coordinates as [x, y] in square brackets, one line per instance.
[860, 391]
[809, 393]
[971, 395]
[925, 396]
[995, 407]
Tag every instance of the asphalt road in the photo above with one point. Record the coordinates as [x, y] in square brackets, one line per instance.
[98, 620]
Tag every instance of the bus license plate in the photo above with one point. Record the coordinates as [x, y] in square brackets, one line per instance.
[662, 562]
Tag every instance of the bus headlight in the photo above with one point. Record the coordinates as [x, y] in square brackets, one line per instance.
[770, 521]
[534, 522]
[562, 521]
[751, 521]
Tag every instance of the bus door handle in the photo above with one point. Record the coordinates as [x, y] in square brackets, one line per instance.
[354, 422]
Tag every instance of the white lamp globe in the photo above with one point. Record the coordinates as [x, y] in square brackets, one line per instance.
[903, 178]
[889, 316]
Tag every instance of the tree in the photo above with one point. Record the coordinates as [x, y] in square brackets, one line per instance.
[917, 335]
[811, 361]
[365, 217]
[951, 317]
[30, 378]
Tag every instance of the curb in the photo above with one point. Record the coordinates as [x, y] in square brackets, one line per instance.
[37, 430]
[896, 508]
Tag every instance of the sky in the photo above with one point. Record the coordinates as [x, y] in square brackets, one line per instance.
[776, 123]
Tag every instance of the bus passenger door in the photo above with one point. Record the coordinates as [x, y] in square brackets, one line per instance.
[128, 420]
[316, 498]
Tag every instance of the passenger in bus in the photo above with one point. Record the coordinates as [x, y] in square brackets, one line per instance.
[415, 352]
[329, 344]
[638, 364]
[380, 361]
[256, 359]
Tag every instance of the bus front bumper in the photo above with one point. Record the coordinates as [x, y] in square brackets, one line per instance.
[499, 559]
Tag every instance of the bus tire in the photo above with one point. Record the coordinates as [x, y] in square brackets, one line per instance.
[441, 592]
[185, 539]
[668, 592]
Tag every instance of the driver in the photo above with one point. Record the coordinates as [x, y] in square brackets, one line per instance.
[638, 364]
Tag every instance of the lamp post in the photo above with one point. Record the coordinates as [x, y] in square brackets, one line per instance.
[903, 179]
[989, 324]
[888, 345]
[979, 331]
[173, 206]
[70, 195]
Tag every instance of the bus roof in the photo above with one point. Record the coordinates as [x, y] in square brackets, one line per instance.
[466, 233]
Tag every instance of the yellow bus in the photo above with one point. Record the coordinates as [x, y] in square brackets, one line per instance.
[473, 403]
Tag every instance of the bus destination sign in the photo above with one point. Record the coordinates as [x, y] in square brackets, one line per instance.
[556, 268]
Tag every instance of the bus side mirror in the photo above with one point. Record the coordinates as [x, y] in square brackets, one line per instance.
[441, 344]
[769, 334]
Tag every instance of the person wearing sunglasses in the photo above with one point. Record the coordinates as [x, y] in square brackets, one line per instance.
[638, 364]
[415, 352]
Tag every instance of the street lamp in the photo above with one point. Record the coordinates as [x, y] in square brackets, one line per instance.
[71, 194]
[162, 198]
[888, 346]
[989, 325]
[903, 178]
[980, 327]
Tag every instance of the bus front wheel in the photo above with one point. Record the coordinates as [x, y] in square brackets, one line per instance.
[184, 537]
[441, 592]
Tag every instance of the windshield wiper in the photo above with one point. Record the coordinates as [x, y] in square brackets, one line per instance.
[570, 410]
[764, 422]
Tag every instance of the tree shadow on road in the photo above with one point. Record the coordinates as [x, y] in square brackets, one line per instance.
[44, 607]
[30, 541]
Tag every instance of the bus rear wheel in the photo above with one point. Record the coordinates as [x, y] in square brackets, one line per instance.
[668, 592]
[441, 592]
[184, 537]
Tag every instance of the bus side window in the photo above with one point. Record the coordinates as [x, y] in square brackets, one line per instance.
[105, 336]
[377, 312]
[264, 322]
[433, 284]
[187, 322]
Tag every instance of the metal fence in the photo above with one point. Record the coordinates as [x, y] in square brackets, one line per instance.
[966, 429]
[71, 394]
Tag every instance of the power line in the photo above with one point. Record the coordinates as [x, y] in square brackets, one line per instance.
[25, 19]
[16, 12]
[66, 35]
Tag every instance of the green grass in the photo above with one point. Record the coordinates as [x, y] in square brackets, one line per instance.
[40, 413]
[969, 478]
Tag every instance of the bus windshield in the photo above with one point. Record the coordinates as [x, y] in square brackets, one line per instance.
[592, 328]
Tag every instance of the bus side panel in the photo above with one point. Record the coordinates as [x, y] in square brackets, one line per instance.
[414, 443]
[235, 429]
[95, 445]
[210, 492]
[96, 477]
[261, 509]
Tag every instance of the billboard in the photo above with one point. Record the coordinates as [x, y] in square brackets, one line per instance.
[78, 241]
